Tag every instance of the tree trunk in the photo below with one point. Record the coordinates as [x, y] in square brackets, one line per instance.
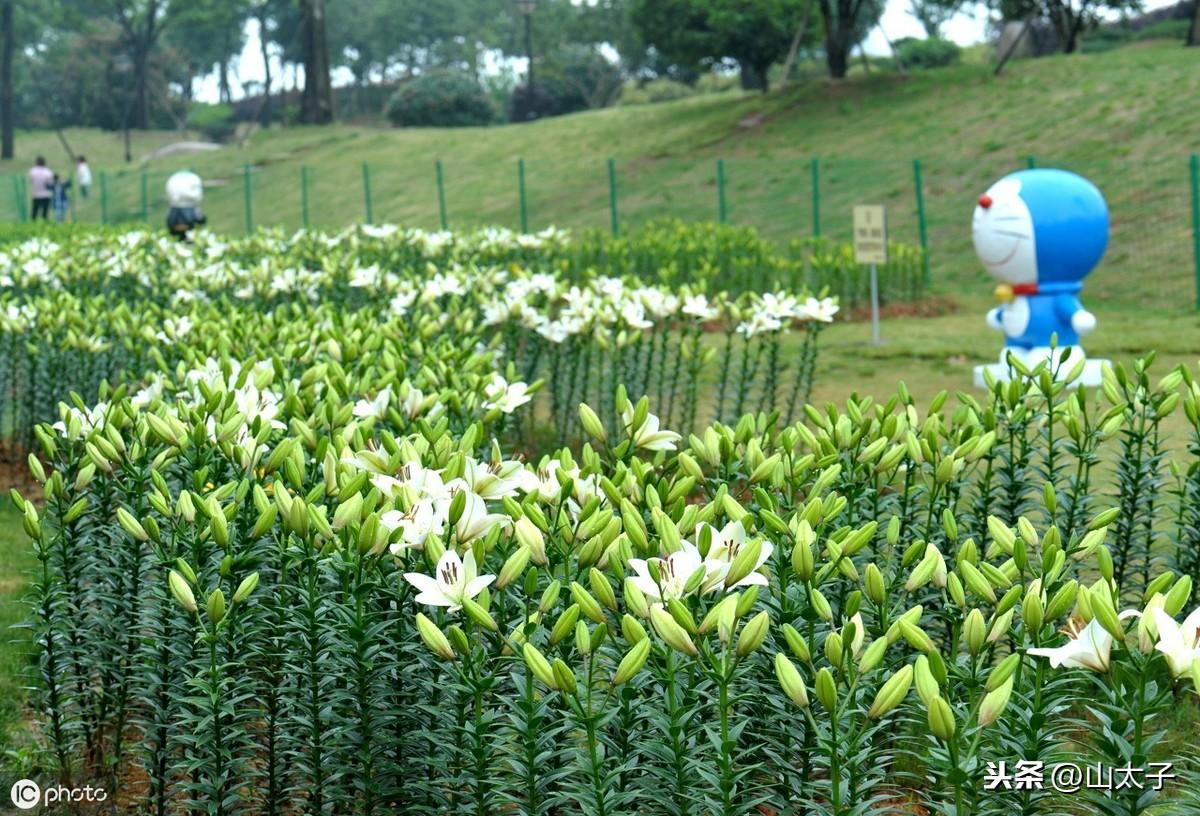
[794, 49]
[754, 77]
[1194, 32]
[837, 58]
[141, 96]
[316, 104]
[223, 94]
[6, 80]
[263, 44]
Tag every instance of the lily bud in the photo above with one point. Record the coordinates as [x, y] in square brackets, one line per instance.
[602, 588]
[826, 690]
[1178, 596]
[941, 719]
[479, 615]
[1032, 612]
[434, 638]
[833, 648]
[182, 591]
[635, 600]
[1004, 671]
[874, 584]
[797, 643]
[632, 662]
[915, 636]
[247, 586]
[873, 656]
[892, 692]
[564, 678]
[539, 665]
[592, 424]
[927, 684]
[821, 605]
[131, 525]
[974, 631]
[216, 606]
[587, 604]
[753, 634]
[744, 562]
[790, 680]
[671, 632]
[513, 567]
[565, 624]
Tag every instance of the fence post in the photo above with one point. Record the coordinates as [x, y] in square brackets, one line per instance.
[304, 194]
[103, 197]
[18, 198]
[441, 191]
[816, 196]
[145, 198]
[721, 211]
[1031, 162]
[367, 192]
[246, 196]
[1195, 163]
[521, 195]
[612, 197]
[919, 184]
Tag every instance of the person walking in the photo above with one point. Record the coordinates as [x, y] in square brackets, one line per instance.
[61, 198]
[83, 176]
[41, 179]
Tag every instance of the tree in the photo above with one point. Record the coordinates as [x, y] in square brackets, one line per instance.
[694, 33]
[316, 103]
[141, 23]
[1070, 18]
[846, 24]
[6, 79]
[205, 33]
[1194, 31]
[933, 14]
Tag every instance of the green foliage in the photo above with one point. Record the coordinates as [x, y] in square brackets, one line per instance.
[214, 121]
[440, 99]
[656, 90]
[931, 53]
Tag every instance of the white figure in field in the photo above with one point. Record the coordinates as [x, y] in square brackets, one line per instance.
[185, 191]
[1040, 232]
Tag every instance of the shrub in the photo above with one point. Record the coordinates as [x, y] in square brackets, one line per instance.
[214, 121]
[656, 90]
[440, 99]
[573, 79]
[927, 53]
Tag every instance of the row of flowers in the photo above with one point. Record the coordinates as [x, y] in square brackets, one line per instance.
[866, 606]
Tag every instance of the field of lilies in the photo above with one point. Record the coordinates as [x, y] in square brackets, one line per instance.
[387, 521]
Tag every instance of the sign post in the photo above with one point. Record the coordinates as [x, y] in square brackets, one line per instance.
[870, 249]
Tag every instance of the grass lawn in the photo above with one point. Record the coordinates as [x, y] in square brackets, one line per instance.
[17, 748]
[1119, 117]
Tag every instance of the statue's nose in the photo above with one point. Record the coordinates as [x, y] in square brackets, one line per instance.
[985, 201]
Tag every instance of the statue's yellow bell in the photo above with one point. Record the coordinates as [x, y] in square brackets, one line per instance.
[1004, 293]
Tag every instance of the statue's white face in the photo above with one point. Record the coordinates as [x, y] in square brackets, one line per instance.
[1002, 230]
[184, 189]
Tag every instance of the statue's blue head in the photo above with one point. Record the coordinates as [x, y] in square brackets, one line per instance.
[1040, 227]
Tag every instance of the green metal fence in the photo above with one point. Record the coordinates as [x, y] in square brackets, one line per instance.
[1153, 256]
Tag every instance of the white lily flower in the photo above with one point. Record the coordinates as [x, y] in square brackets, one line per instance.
[506, 396]
[376, 407]
[648, 436]
[726, 544]
[674, 571]
[1180, 643]
[456, 580]
[476, 521]
[425, 518]
[1087, 648]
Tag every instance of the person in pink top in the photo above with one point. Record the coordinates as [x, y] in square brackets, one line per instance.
[41, 187]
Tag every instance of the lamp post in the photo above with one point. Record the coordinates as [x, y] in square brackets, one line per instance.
[526, 8]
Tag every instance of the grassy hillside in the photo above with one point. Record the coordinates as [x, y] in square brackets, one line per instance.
[1124, 118]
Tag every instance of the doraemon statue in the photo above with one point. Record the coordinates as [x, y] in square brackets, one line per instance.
[1040, 232]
